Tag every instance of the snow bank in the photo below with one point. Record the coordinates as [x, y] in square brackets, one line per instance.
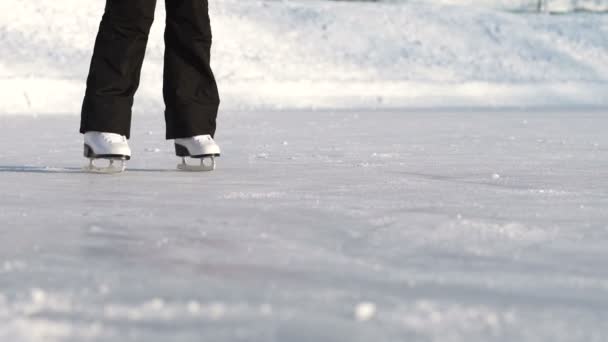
[325, 54]
[552, 6]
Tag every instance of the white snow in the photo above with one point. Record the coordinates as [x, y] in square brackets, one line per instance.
[365, 311]
[353, 201]
[326, 54]
[550, 6]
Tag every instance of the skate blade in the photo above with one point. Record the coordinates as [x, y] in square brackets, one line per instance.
[110, 169]
[197, 168]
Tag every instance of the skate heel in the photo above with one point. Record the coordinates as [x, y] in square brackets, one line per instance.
[181, 151]
[88, 152]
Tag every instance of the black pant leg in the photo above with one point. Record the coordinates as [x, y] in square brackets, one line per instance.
[189, 89]
[116, 66]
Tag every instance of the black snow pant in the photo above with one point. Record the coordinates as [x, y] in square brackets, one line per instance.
[189, 87]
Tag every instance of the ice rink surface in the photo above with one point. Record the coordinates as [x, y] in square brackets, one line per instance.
[317, 226]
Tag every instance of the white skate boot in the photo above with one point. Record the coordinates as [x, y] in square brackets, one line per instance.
[109, 146]
[201, 147]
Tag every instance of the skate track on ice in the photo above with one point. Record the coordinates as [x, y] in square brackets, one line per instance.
[317, 226]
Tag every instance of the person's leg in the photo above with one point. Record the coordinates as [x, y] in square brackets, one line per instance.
[189, 89]
[116, 66]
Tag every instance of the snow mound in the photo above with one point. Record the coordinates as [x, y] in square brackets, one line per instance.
[547, 6]
[326, 54]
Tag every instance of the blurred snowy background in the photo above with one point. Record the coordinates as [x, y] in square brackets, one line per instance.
[550, 6]
[333, 54]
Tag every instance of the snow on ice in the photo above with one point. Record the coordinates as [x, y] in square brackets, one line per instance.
[423, 244]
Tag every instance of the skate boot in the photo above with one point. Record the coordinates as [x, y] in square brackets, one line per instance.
[109, 146]
[200, 147]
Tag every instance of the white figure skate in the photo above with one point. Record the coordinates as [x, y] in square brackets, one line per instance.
[200, 147]
[109, 146]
